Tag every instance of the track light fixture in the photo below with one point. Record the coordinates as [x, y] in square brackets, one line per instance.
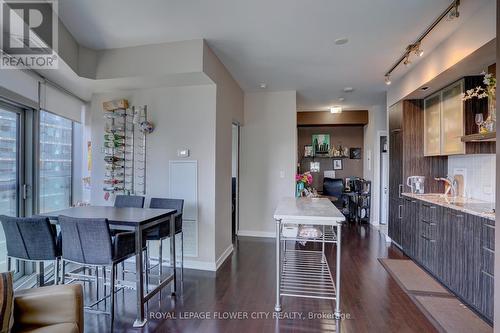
[450, 13]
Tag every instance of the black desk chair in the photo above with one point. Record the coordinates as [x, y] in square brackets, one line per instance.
[32, 239]
[334, 187]
[88, 242]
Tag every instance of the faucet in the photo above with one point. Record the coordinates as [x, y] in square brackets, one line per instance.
[452, 185]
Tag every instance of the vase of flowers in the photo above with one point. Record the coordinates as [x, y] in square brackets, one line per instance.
[302, 182]
[486, 91]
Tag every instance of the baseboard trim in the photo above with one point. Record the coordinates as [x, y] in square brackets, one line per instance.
[188, 264]
[227, 252]
[251, 233]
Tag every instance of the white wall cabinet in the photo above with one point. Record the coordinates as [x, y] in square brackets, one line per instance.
[444, 122]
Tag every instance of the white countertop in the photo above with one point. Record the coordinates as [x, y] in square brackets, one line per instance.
[470, 206]
[319, 211]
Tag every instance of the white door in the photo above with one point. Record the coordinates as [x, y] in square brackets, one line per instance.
[384, 188]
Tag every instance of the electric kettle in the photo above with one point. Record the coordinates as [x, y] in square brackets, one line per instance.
[416, 183]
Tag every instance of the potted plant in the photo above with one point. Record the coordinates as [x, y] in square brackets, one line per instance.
[302, 181]
[486, 91]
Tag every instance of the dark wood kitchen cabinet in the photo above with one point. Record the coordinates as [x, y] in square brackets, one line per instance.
[456, 248]
[406, 158]
[428, 237]
[409, 226]
[463, 256]
[484, 299]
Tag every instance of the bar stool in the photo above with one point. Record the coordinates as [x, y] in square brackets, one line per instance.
[162, 232]
[129, 201]
[88, 241]
[32, 239]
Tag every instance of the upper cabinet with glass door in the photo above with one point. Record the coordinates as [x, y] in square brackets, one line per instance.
[452, 120]
[432, 125]
[444, 122]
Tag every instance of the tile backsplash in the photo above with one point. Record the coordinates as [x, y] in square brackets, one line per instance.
[480, 174]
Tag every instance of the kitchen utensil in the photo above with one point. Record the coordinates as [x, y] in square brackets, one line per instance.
[416, 183]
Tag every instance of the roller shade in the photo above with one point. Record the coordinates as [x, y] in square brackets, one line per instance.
[19, 86]
[60, 103]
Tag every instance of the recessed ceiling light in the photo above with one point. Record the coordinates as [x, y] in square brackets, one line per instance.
[424, 88]
[341, 41]
[336, 109]
[262, 85]
[348, 89]
[341, 99]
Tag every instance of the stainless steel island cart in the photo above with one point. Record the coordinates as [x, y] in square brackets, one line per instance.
[305, 273]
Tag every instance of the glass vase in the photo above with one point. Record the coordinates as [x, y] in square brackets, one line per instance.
[490, 124]
[300, 189]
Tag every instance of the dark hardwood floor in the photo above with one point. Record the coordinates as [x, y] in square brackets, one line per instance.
[371, 301]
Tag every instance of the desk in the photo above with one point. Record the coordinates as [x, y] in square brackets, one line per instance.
[306, 273]
[137, 220]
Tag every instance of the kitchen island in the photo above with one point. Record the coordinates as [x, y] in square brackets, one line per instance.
[303, 273]
[454, 240]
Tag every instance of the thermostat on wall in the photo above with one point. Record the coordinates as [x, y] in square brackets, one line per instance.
[183, 152]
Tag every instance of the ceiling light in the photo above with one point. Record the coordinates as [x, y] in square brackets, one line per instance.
[407, 61]
[341, 41]
[336, 109]
[454, 13]
[424, 88]
[263, 85]
[348, 89]
[341, 99]
[388, 79]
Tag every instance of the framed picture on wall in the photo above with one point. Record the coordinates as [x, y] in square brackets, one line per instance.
[355, 153]
[321, 143]
[308, 151]
[337, 164]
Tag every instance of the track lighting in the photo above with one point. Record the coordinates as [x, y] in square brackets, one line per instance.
[450, 13]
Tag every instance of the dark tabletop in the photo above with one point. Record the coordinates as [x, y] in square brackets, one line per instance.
[123, 216]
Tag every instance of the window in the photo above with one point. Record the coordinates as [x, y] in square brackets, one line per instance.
[9, 169]
[56, 165]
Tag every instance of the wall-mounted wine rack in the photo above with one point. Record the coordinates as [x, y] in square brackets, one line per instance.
[124, 149]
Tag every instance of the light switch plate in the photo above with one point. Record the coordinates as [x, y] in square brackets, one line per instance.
[183, 152]
[282, 174]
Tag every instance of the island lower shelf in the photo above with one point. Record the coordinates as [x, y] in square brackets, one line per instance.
[306, 274]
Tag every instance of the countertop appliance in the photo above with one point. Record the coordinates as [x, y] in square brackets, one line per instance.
[416, 183]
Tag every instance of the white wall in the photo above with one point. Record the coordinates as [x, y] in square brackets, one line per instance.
[268, 151]
[480, 175]
[184, 117]
[377, 121]
[229, 109]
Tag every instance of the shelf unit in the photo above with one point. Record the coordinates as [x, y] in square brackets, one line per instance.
[124, 149]
[486, 137]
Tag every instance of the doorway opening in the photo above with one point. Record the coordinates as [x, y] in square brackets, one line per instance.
[384, 179]
[235, 170]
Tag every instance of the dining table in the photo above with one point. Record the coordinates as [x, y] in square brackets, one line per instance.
[136, 220]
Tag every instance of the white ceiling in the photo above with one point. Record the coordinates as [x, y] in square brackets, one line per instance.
[288, 44]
